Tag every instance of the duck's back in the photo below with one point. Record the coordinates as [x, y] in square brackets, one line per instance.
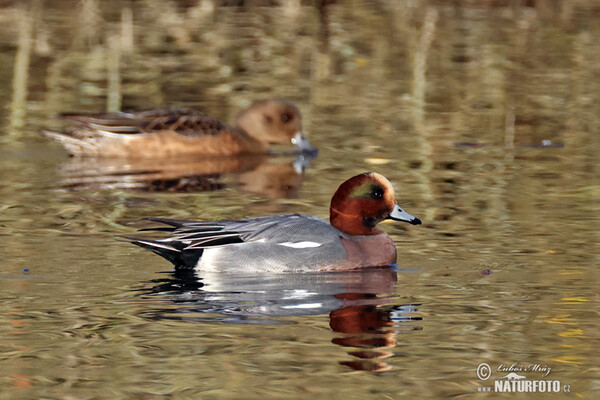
[278, 244]
[182, 121]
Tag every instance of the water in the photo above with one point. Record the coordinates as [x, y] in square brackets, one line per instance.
[485, 119]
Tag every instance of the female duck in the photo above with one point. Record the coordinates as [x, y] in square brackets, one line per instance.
[292, 243]
[158, 133]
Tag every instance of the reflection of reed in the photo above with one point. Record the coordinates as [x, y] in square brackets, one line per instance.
[89, 23]
[21, 70]
[321, 55]
[420, 50]
[127, 33]
[419, 60]
[113, 64]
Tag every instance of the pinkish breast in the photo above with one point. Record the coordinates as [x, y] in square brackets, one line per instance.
[368, 251]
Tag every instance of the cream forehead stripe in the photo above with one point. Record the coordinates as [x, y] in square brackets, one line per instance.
[366, 188]
[362, 190]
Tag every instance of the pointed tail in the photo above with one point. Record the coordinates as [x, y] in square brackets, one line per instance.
[171, 251]
[72, 144]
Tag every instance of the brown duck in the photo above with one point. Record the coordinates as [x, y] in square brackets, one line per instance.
[158, 133]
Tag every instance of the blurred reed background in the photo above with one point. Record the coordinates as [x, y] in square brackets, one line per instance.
[110, 55]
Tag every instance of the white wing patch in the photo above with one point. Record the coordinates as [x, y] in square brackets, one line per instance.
[300, 245]
[306, 305]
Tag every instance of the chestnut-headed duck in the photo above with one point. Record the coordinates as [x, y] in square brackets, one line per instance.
[162, 133]
[291, 243]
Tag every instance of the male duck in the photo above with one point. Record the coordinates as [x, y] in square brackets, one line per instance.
[157, 133]
[291, 243]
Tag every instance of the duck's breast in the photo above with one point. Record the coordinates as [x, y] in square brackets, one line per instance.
[367, 251]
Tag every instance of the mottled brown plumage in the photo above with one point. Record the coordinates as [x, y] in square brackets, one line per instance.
[157, 133]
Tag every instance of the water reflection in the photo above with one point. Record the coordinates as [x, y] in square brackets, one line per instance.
[271, 177]
[362, 311]
[371, 328]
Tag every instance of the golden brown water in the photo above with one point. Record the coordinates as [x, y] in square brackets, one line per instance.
[485, 119]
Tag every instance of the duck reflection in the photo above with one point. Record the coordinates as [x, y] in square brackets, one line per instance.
[359, 304]
[270, 177]
[370, 328]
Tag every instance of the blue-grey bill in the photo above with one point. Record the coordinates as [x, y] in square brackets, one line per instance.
[399, 214]
[303, 144]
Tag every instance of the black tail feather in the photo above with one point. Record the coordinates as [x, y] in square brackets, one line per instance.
[180, 259]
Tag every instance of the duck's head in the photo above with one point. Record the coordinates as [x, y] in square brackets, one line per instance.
[362, 202]
[275, 121]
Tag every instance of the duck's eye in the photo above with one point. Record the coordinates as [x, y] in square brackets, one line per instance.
[377, 193]
[285, 118]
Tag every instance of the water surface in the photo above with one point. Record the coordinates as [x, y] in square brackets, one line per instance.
[485, 119]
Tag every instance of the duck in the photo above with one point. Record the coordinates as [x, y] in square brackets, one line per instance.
[291, 242]
[164, 133]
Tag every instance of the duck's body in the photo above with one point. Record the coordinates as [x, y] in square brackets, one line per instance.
[279, 243]
[161, 133]
[292, 243]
